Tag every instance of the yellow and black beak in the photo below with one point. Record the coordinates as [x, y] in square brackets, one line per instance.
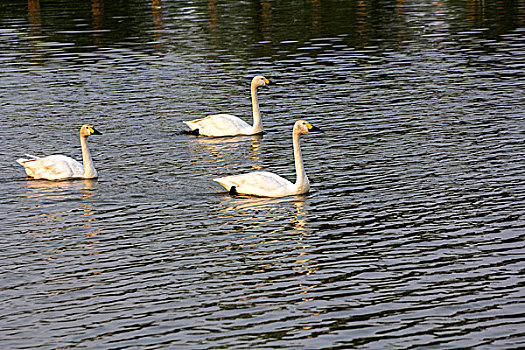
[266, 81]
[93, 131]
[313, 128]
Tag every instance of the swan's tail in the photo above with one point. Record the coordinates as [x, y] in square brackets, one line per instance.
[225, 183]
[21, 161]
[192, 125]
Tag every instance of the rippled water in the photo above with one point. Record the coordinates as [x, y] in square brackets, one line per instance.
[412, 235]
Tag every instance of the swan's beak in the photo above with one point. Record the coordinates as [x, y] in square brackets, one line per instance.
[93, 131]
[313, 128]
[266, 81]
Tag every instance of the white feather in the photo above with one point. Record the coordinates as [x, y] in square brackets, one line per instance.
[218, 125]
[267, 184]
[60, 167]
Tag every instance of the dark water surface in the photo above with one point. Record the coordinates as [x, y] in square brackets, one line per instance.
[412, 235]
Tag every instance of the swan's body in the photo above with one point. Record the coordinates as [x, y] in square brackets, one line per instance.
[60, 167]
[229, 125]
[266, 184]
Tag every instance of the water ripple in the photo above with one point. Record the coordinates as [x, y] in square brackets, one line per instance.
[411, 235]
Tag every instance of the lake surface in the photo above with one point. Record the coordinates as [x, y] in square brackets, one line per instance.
[412, 234]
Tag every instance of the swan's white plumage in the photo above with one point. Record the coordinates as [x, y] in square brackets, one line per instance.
[267, 184]
[218, 125]
[258, 183]
[55, 167]
[60, 167]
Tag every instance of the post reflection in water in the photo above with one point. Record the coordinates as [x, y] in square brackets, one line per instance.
[362, 23]
[156, 14]
[317, 22]
[33, 14]
[400, 14]
[266, 21]
[502, 14]
[213, 15]
[35, 27]
[97, 9]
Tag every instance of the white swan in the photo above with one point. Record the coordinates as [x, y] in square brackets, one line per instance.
[266, 184]
[60, 167]
[229, 125]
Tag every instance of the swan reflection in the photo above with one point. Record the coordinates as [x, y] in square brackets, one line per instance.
[273, 234]
[249, 213]
[59, 189]
[59, 207]
[222, 148]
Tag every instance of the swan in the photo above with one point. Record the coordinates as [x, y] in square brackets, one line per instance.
[266, 184]
[229, 125]
[60, 167]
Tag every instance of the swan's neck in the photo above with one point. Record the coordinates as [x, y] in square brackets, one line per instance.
[89, 169]
[257, 124]
[302, 184]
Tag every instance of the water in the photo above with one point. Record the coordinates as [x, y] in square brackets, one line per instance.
[411, 237]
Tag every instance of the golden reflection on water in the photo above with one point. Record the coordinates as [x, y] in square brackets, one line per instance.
[247, 213]
[40, 188]
[253, 212]
[290, 251]
[49, 195]
[221, 148]
[247, 204]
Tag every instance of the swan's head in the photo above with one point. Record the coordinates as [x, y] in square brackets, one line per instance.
[259, 80]
[88, 130]
[303, 127]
